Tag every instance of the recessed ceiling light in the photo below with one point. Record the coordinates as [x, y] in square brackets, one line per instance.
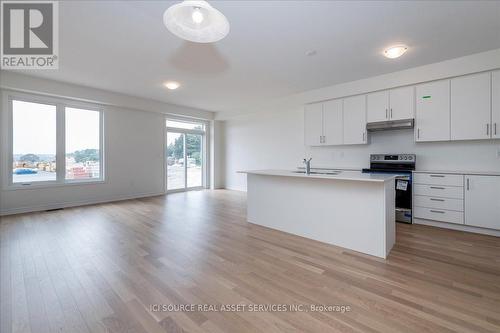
[172, 85]
[196, 21]
[311, 53]
[395, 51]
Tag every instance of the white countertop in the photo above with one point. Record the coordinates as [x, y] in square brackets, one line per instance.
[344, 175]
[479, 173]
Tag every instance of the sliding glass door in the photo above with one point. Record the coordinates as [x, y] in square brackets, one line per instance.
[176, 175]
[194, 156]
[185, 155]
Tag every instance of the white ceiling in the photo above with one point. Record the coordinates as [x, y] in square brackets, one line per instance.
[124, 46]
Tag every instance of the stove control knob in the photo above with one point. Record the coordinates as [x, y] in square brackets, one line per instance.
[410, 158]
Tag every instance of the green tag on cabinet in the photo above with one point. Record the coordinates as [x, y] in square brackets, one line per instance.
[428, 96]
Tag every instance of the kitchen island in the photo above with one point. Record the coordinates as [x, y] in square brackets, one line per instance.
[349, 209]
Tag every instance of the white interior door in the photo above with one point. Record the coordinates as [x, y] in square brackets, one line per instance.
[377, 105]
[333, 122]
[470, 107]
[482, 201]
[313, 124]
[495, 104]
[355, 120]
[401, 103]
[433, 111]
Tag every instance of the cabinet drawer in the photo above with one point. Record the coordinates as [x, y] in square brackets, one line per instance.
[442, 215]
[439, 203]
[439, 191]
[438, 179]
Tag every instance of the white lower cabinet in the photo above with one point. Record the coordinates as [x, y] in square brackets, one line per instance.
[440, 191]
[438, 197]
[442, 215]
[482, 201]
[439, 203]
[471, 200]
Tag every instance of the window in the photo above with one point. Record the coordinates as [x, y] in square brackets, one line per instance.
[185, 155]
[54, 143]
[83, 159]
[185, 125]
[33, 142]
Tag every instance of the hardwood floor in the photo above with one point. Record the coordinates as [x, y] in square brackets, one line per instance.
[102, 268]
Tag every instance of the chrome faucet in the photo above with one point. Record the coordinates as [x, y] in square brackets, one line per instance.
[307, 162]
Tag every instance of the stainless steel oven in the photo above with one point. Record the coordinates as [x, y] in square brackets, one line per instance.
[402, 166]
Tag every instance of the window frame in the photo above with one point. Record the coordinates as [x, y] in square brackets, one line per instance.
[60, 105]
[204, 147]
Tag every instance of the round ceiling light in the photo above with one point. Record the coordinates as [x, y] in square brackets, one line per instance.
[395, 51]
[196, 21]
[172, 85]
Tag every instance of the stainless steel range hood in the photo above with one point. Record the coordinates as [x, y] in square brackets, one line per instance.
[389, 125]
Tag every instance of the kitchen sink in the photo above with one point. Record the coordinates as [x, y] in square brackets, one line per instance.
[329, 173]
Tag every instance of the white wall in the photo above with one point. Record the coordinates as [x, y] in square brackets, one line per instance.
[273, 137]
[127, 132]
[217, 149]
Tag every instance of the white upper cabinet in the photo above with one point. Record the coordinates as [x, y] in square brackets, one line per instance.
[355, 120]
[394, 104]
[313, 124]
[460, 108]
[333, 122]
[433, 111]
[377, 106]
[482, 201]
[401, 103]
[495, 104]
[471, 107]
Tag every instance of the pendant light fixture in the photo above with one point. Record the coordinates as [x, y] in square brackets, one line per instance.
[196, 21]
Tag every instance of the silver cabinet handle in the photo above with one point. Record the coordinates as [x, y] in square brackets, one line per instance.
[418, 133]
[434, 199]
[391, 113]
[324, 139]
[440, 176]
[495, 128]
[487, 129]
[364, 133]
[468, 184]
[437, 211]
[386, 114]
[437, 188]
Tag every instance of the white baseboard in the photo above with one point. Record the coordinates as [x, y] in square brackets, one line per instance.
[460, 227]
[29, 209]
[239, 189]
